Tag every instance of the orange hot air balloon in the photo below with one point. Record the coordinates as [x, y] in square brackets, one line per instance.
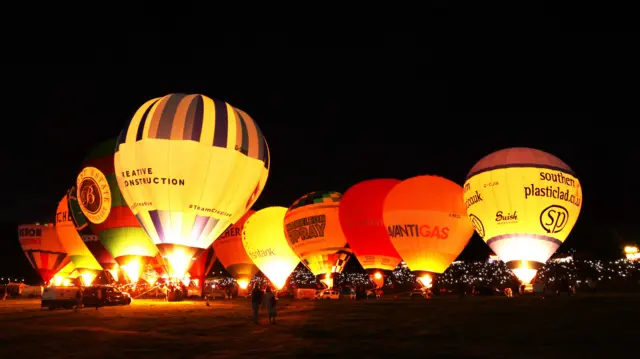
[43, 249]
[86, 265]
[233, 256]
[427, 223]
[313, 230]
[361, 211]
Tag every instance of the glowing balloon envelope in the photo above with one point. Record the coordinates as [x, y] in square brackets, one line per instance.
[90, 239]
[313, 229]
[427, 223]
[86, 265]
[189, 166]
[523, 203]
[108, 214]
[64, 275]
[361, 218]
[264, 241]
[231, 253]
[202, 266]
[43, 249]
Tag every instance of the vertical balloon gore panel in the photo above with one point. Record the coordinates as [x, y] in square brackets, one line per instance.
[125, 243]
[312, 227]
[99, 252]
[80, 255]
[523, 213]
[264, 241]
[202, 266]
[361, 218]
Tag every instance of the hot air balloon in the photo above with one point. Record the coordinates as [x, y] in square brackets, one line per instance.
[108, 214]
[189, 166]
[64, 275]
[264, 241]
[361, 210]
[427, 223]
[231, 253]
[104, 258]
[523, 202]
[86, 265]
[313, 229]
[43, 249]
[202, 267]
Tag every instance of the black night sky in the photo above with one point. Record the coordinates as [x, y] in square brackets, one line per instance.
[378, 105]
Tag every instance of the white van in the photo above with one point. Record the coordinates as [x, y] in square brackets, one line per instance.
[31, 291]
[59, 297]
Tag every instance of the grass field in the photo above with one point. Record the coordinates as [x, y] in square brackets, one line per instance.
[597, 326]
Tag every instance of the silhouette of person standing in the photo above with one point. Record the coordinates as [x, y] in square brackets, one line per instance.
[270, 304]
[256, 300]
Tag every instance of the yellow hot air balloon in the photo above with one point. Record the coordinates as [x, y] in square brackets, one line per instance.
[263, 239]
[523, 202]
[427, 224]
[64, 276]
[86, 265]
[313, 229]
[189, 166]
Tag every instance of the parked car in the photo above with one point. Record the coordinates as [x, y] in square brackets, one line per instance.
[110, 296]
[329, 294]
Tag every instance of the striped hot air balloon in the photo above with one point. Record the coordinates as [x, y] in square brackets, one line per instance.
[189, 166]
[43, 249]
[109, 216]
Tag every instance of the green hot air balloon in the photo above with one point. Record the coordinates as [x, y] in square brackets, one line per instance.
[109, 215]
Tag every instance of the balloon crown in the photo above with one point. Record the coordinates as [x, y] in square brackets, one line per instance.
[316, 197]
